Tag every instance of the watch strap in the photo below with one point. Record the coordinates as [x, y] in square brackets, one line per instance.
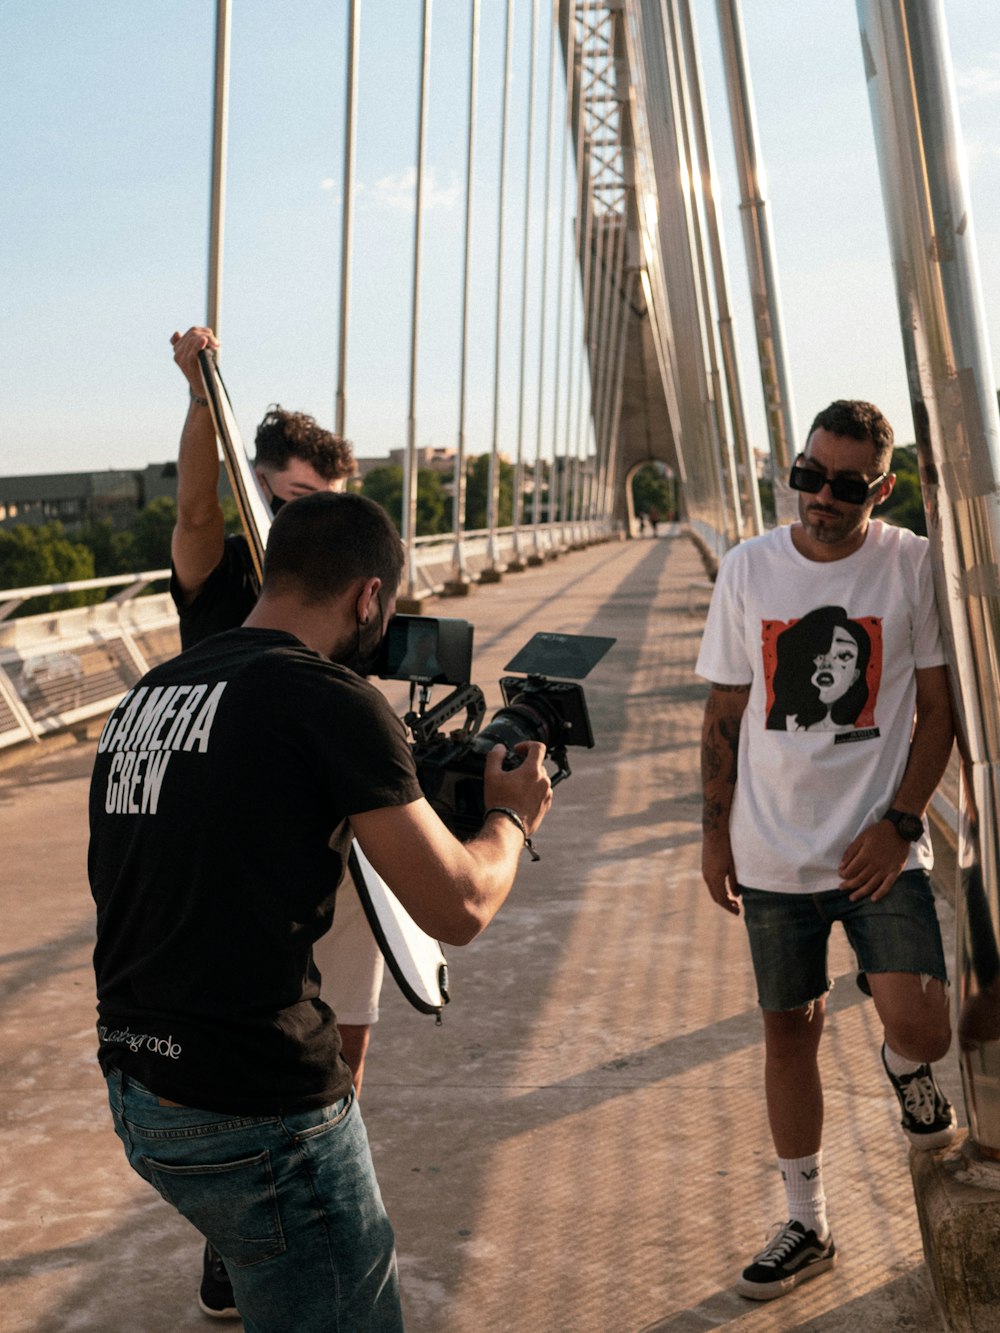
[908, 826]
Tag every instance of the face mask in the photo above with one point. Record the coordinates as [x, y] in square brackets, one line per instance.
[367, 643]
[276, 503]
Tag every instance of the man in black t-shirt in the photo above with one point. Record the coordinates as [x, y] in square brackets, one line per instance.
[227, 787]
[213, 582]
[214, 587]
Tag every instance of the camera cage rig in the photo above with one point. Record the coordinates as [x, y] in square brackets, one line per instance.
[534, 707]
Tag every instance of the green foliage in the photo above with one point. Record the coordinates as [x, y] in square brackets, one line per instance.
[105, 545]
[149, 536]
[384, 485]
[652, 491]
[476, 493]
[144, 545]
[33, 555]
[905, 506]
[231, 516]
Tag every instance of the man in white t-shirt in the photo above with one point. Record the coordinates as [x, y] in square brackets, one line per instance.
[827, 728]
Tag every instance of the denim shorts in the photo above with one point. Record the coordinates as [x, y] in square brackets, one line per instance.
[290, 1202]
[789, 933]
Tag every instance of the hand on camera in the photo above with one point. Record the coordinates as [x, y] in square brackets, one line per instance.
[526, 788]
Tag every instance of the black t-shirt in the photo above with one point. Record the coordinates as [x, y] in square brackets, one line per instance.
[218, 809]
[225, 599]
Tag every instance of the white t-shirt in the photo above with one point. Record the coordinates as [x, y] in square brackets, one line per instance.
[829, 650]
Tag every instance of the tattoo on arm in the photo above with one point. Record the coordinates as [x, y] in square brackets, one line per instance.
[719, 755]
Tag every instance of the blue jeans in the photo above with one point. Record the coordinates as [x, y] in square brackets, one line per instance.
[789, 933]
[290, 1202]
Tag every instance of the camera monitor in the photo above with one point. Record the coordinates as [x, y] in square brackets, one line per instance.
[427, 649]
[571, 656]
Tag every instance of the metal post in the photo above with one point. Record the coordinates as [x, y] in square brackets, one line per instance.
[953, 392]
[410, 459]
[495, 565]
[550, 121]
[554, 475]
[350, 116]
[220, 123]
[725, 456]
[720, 279]
[614, 313]
[760, 257]
[517, 561]
[631, 278]
[460, 580]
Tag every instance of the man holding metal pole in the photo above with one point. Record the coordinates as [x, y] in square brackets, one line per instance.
[214, 587]
[827, 728]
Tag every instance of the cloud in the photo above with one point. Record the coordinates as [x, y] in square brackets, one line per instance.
[980, 155]
[979, 81]
[398, 193]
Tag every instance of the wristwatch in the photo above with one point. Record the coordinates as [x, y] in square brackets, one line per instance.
[909, 827]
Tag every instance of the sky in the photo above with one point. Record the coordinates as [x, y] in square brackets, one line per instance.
[106, 158]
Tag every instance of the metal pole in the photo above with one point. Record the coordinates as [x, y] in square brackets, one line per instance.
[550, 120]
[555, 479]
[517, 561]
[614, 320]
[578, 131]
[630, 280]
[725, 456]
[410, 460]
[220, 123]
[720, 278]
[461, 578]
[952, 387]
[495, 565]
[760, 257]
[350, 115]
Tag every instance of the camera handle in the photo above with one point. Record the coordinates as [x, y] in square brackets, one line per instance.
[561, 760]
[423, 725]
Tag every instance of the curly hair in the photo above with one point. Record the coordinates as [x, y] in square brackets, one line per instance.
[859, 421]
[285, 435]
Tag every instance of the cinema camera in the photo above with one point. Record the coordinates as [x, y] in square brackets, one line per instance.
[428, 651]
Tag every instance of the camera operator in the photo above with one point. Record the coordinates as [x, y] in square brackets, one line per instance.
[214, 587]
[226, 789]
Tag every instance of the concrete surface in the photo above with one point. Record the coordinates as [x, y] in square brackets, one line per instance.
[582, 1146]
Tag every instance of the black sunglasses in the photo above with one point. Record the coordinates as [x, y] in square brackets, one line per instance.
[848, 490]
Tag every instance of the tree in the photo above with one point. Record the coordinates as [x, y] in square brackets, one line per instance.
[150, 533]
[44, 554]
[652, 490]
[477, 488]
[384, 485]
[905, 506]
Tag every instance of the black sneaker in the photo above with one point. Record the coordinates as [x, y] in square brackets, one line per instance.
[791, 1256]
[928, 1116]
[215, 1295]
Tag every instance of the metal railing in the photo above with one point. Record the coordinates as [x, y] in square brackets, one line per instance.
[61, 668]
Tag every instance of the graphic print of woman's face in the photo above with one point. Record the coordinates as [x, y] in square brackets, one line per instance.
[836, 670]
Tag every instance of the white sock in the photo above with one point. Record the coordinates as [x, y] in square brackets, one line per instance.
[803, 1177]
[897, 1065]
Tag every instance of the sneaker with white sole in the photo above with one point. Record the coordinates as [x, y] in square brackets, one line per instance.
[791, 1255]
[215, 1295]
[929, 1119]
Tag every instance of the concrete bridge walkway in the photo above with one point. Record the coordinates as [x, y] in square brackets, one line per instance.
[582, 1146]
